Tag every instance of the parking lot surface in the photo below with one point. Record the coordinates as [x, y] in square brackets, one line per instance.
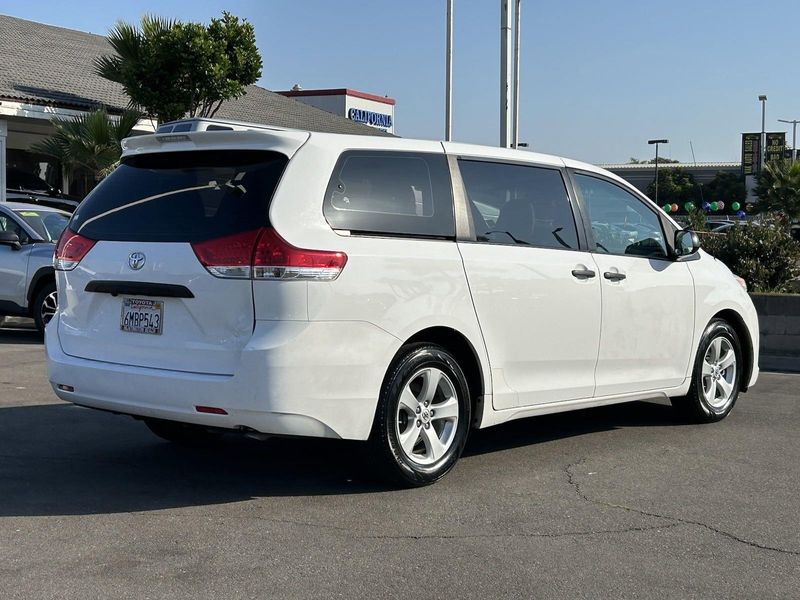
[613, 502]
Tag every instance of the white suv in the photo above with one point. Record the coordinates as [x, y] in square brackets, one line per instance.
[236, 277]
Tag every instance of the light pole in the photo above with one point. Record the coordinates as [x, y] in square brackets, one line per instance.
[763, 142]
[448, 92]
[657, 142]
[515, 82]
[794, 123]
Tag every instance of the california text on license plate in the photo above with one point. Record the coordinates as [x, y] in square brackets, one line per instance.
[140, 315]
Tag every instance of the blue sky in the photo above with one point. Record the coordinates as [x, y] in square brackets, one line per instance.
[598, 78]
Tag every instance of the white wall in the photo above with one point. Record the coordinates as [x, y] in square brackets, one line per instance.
[372, 106]
[3, 131]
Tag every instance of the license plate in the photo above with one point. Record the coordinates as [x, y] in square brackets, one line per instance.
[142, 316]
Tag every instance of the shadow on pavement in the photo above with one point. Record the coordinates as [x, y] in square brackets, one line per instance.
[63, 460]
[19, 332]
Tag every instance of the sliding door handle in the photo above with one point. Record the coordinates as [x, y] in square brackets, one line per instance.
[614, 276]
[583, 273]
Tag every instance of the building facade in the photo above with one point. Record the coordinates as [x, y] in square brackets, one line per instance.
[47, 72]
[361, 107]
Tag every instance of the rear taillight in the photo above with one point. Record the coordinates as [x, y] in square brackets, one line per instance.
[263, 254]
[230, 257]
[70, 250]
[275, 258]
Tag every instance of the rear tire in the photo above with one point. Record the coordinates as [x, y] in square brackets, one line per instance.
[184, 434]
[716, 378]
[423, 417]
[45, 305]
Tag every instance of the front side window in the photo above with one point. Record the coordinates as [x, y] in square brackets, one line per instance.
[519, 204]
[8, 224]
[398, 193]
[621, 222]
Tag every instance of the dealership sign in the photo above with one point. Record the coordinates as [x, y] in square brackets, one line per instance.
[775, 149]
[367, 117]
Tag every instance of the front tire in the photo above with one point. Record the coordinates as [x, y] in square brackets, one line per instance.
[716, 378]
[184, 434]
[423, 417]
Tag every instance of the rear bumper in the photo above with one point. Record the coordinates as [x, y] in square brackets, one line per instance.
[294, 378]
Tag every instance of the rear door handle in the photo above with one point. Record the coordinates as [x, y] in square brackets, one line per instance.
[583, 273]
[614, 276]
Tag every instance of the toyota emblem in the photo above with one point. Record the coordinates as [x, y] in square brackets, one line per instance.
[136, 260]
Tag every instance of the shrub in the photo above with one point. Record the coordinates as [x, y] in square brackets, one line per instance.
[762, 254]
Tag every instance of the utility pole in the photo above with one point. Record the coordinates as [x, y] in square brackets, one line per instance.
[505, 74]
[515, 107]
[657, 142]
[448, 104]
[794, 123]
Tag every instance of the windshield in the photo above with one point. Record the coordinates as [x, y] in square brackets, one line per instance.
[182, 197]
[20, 180]
[47, 224]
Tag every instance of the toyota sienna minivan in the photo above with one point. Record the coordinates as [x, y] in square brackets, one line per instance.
[236, 277]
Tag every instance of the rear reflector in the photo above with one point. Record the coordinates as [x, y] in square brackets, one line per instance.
[263, 254]
[211, 410]
[70, 250]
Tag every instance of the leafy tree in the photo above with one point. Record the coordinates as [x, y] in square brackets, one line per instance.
[675, 185]
[725, 187]
[91, 141]
[778, 188]
[170, 69]
[763, 254]
[652, 161]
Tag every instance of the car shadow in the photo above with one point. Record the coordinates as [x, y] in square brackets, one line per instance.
[19, 331]
[60, 459]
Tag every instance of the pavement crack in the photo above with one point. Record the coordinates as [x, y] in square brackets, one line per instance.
[572, 480]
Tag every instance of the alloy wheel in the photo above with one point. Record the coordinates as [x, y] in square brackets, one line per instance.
[49, 307]
[427, 416]
[719, 372]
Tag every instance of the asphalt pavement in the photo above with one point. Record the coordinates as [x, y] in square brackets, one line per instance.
[613, 502]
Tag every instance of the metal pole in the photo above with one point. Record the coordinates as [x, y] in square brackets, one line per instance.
[763, 153]
[448, 104]
[515, 108]
[656, 172]
[505, 74]
[794, 123]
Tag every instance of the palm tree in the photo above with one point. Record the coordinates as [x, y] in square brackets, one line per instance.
[91, 141]
[778, 188]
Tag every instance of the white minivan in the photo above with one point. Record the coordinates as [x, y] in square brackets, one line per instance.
[236, 277]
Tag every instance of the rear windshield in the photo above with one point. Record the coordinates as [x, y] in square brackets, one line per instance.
[47, 223]
[182, 196]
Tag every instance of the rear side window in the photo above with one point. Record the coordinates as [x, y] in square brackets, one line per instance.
[391, 193]
[519, 204]
[182, 196]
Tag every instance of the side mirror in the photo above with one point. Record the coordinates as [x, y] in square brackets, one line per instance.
[9, 238]
[687, 242]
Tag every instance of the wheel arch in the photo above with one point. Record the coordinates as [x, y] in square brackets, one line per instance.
[467, 357]
[735, 320]
[41, 278]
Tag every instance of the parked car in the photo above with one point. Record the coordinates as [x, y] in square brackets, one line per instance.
[233, 277]
[28, 234]
[27, 187]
